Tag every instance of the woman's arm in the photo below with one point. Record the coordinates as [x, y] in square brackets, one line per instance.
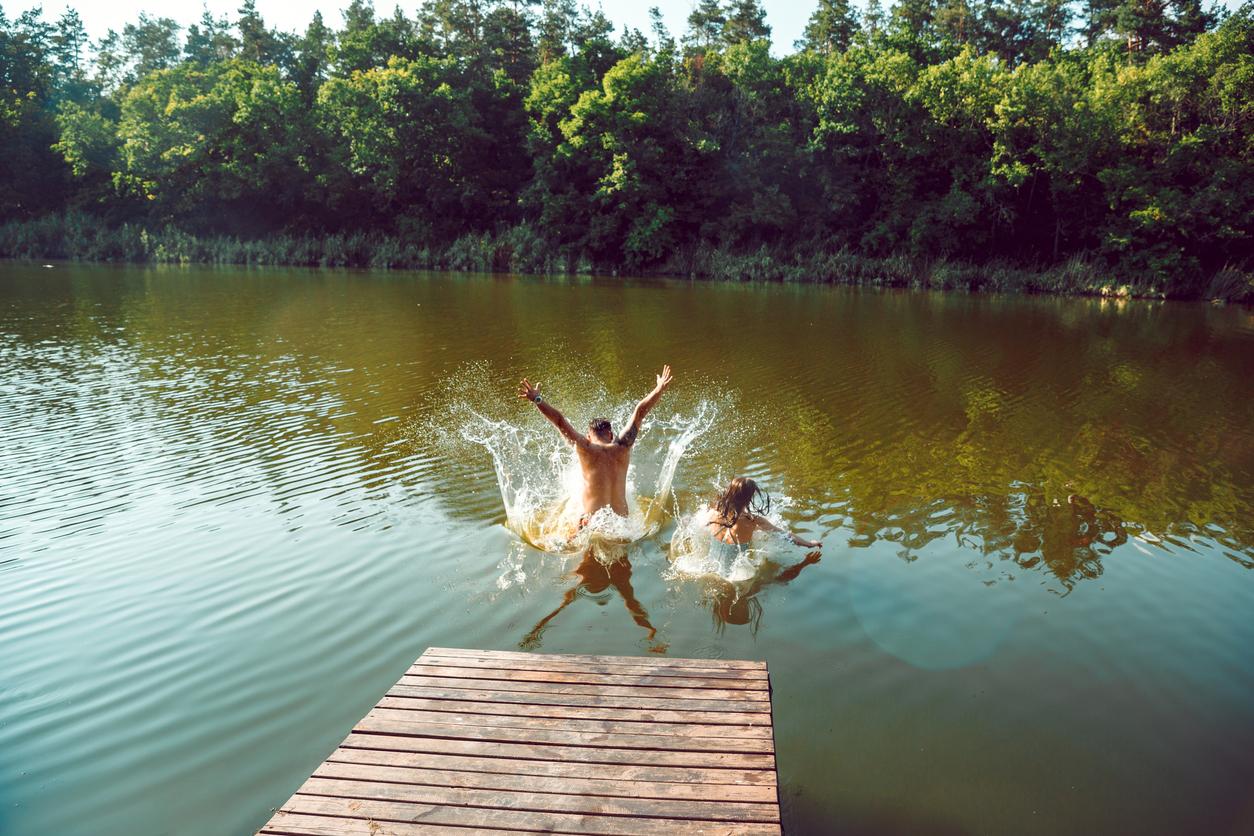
[795, 570]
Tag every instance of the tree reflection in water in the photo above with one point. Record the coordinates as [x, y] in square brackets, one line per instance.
[1067, 537]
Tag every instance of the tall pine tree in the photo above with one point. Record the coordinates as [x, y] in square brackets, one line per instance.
[745, 21]
[831, 28]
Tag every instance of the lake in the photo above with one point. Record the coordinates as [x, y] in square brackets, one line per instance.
[235, 505]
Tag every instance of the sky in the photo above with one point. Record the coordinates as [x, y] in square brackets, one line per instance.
[787, 19]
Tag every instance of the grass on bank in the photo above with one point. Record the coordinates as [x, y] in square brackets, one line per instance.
[522, 250]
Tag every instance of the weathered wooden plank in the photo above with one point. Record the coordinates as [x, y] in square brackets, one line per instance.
[385, 723]
[297, 824]
[568, 784]
[574, 724]
[729, 723]
[542, 663]
[744, 664]
[440, 745]
[541, 696]
[392, 811]
[615, 680]
[507, 742]
[522, 686]
[623, 773]
[547, 802]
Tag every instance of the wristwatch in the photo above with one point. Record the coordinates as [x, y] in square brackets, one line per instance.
[539, 400]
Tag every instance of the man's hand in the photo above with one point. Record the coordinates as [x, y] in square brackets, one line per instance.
[628, 438]
[663, 380]
[555, 417]
[527, 391]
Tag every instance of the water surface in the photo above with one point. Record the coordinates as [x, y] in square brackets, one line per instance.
[230, 516]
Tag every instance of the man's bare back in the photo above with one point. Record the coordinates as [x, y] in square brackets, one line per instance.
[603, 457]
[604, 469]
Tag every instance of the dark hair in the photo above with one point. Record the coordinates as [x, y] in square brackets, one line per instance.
[739, 497]
[600, 426]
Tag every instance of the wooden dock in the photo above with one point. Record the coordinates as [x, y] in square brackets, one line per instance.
[497, 742]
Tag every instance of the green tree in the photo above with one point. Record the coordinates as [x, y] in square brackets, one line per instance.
[557, 21]
[507, 40]
[1051, 138]
[873, 19]
[220, 148]
[1160, 25]
[956, 21]
[749, 177]
[32, 176]
[831, 28]
[593, 42]
[627, 153]
[1021, 30]
[915, 19]
[355, 48]
[745, 21]
[955, 211]
[111, 62]
[312, 58]
[209, 41]
[150, 45]
[705, 26]
[88, 141]
[68, 50]
[409, 148]
[962, 129]
[257, 43]
[397, 35]
[1178, 195]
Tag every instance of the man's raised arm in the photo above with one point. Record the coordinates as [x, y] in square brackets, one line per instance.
[532, 393]
[650, 400]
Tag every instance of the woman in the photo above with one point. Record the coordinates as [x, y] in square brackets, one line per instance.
[740, 513]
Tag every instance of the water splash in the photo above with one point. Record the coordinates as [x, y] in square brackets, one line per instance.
[696, 554]
[539, 478]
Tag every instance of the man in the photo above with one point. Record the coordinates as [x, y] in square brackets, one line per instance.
[602, 456]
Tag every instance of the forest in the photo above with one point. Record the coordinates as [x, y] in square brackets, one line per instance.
[1096, 146]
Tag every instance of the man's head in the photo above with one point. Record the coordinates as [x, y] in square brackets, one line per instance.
[599, 430]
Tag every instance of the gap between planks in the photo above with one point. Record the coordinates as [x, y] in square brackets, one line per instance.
[529, 687]
[511, 766]
[566, 784]
[729, 721]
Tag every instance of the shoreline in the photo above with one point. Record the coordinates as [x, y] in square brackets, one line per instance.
[85, 240]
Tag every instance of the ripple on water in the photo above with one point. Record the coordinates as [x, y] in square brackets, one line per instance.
[226, 526]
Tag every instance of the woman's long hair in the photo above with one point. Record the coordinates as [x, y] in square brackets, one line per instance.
[743, 494]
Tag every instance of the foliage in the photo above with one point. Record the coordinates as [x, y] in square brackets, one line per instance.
[1035, 145]
[219, 147]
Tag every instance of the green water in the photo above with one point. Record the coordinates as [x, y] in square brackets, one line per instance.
[230, 516]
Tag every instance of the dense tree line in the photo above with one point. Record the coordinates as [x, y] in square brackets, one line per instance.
[1027, 132]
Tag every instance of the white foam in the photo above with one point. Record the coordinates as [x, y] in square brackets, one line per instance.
[695, 554]
[541, 483]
